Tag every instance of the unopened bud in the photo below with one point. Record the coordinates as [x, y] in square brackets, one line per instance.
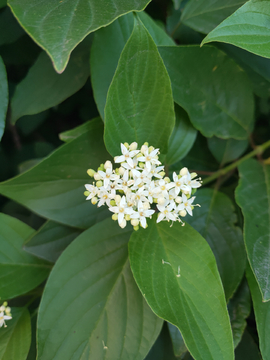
[167, 179]
[183, 213]
[107, 165]
[139, 155]
[193, 175]
[155, 200]
[123, 224]
[113, 203]
[99, 183]
[183, 171]
[115, 217]
[178, 199]
[133, 146]
[117, 199]
[94, 200]
[86, 193]
[97, 176]
[121, 170]
[144, 148]
[146, 206]
[150, 149]
[91, 172]
[127, 217]
[141, 165]
[136, 228]
[161, 200]
[162, 173]
[134, 222]
[126, 145]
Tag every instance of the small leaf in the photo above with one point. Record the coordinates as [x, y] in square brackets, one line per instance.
[182, 138]
[43, 88]
[3, 96]
[226, 150]
[177, 274]
[54, 188]
[91, 307]
[15, 339]
[205, 15]
[179, 346]
[239, 309]
[50, 240]
[262, 314]
[58, 27]
[217, 94]
[72, 134]
[20, 272]
[139, 104]
[112, 39]
[253, 197]
[248, 28]
[215, 221]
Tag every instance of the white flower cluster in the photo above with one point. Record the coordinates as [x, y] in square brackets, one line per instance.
[130, 190]
[4, 314]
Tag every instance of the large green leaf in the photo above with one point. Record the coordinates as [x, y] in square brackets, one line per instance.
[20, 272]
[248, 28]
[50, 240]
[58, 27]
[177, 274]
[253, 196]
[215, 221]
[43, 88]
[15, 339]
[92, 307]
[226, 150]
[112, 39]
[216, 94]
[3, 96]
[205, 15]
[262, 314]
[54, 188]
[182, 138]
[139, 104]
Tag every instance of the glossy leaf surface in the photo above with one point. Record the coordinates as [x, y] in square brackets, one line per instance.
[217, 94]
[177, 274]
[50, 240]
[99, 312]
[253, 196]
[248, 28]
[112, 39]
[3, 96]
[43, 88]
[139, 104]
[205, 15]
[54, 188]
[182, 138]
[20, 272]
[15, 339]
[59, 27]
[215, 221]
[226, 150]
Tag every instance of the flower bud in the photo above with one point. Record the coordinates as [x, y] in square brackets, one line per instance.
[141, 165]
[115, 217]
[161, 200]
[183, 213]
[123, 224]
[162, 173]
[167, 179]
[133, 146]
[144, 148]
[117, 199]
[97, 176]
[136, 228]
[127, 217]
[113, 203]
[146, 205]
[139, 155]
[150, 149]
[86, 193]
[178, 199]
[94, 200]
[121, 170]
[134, 222]
[91, 172]
[99, 183]
[126, 145]
[183, 171]
[107, 165]
[193, 175]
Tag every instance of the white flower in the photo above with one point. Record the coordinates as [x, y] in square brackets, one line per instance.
[188, 184]
[121, 209]
[186, 204]
[142, 214]
[92, 189]
[126, 155]
[4, 314]
[105, 197]
[163, 188]
[150, 158]
[107, 176]
[166, 213]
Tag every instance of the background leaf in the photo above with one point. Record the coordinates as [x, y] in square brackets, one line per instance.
[139, 104]
[205, 15]
[217, 94]
[59, 27]
[112, 40]
[177, 273]
[20, 272]
[100, 311]
[248, 28]
[3, 96]
[50, 240]
[72, 134]
[15, 339]
[182, 138]
[54, 188]
[215, 221]
[253, 196]
[179, 346]
[43, 88]
[226, 150]
[262, 314]
[247, 349]
[10, 30]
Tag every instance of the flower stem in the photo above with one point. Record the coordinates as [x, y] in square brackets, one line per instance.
[258, 151]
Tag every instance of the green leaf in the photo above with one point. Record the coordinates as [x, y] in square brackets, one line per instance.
[177, 274]
[226, 150]
[205, 15]
[50, 240]
[162, 348]
[217, 95]
[239, 309]
[54, 188]
[247, 349]
[20, 272]
[10, 30]
[77, 131]
[58, 27]
[262, 314]
[215, 221]
[15, 339]
[182, 138]
[43, 88]
[91, 307]
[3, 3]
[253, 197]
[139, 104]
[248, 28]
[179, 346]
[3, 96]
[112, 39]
